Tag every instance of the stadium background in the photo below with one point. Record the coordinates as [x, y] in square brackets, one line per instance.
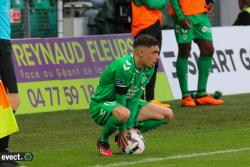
[203, 136]
[38, 17]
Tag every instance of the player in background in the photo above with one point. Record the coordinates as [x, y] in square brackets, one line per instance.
[191, 23]
[147, 19]
[244, 16]
[117, 102]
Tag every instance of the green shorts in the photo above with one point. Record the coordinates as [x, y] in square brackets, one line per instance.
[201, 29]
[100, 112]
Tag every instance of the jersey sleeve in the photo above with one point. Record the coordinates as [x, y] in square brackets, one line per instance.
[133, 107]
[121, 79]
[177, 9]
[132, 104]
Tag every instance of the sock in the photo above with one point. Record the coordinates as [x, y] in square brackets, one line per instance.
[110, 127]
[182, 73]
[204, 67]
[147, 125]
[4, 144]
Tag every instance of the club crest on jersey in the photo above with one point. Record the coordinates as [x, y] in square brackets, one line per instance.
[127, 65]
[206, 29]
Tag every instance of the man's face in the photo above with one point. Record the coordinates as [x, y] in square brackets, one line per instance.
[150, 56]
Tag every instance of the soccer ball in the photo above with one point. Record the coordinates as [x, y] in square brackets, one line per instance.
[135, 143]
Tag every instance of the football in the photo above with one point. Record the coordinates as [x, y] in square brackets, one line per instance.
[135, 143]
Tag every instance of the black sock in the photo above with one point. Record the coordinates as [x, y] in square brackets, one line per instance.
[4, 144]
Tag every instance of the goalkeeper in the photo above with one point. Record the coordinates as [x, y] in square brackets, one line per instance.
[116, 103]
[191, 23]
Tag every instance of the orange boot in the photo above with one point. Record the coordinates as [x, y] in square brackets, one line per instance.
[188, 102]
[208, 100]
[154, 101]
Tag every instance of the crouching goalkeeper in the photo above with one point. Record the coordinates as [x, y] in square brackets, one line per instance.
[116, 104]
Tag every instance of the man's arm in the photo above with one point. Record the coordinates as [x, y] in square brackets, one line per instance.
[125, 129]
[7, 74]
[121, 81]
[121, 91]
[133, 108]
[177, 9]
[181, 17]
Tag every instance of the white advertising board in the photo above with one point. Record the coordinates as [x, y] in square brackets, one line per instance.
[230, 66]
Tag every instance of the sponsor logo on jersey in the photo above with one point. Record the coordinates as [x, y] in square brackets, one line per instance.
[204, 29]
[131, 92]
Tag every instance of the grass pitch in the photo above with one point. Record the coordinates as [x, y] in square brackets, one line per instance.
[204, 136]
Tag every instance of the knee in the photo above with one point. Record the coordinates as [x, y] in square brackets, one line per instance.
[184, 51]
[208, 50]
[121, 113]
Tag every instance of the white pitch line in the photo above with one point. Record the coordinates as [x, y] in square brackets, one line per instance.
[124, 163]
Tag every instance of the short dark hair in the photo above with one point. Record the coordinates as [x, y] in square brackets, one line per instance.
[245, 1]
[145, 40]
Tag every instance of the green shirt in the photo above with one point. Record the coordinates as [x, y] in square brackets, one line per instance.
[123, 72]
[152, 4]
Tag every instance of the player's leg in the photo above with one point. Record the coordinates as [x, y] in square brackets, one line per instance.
[182, 67]
[112, 115]
[119, 116]
[4, 144]
[204, 64]
[182, 73]
[151, 116]
[203, 39]
[184, 38]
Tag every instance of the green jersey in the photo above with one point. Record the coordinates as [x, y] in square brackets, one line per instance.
[123, 73]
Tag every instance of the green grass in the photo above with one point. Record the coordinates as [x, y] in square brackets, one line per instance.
[68, 138]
